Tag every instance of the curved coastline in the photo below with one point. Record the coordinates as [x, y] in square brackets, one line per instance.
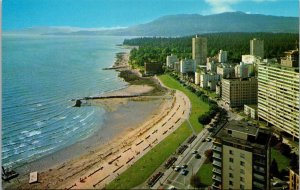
[78, 155]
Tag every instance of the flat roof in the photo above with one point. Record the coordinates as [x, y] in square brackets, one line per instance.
[242, 127]
[260, 137]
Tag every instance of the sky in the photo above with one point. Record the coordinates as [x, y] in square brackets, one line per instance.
[19, 14]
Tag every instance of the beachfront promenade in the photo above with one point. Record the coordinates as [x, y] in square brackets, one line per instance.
[117, 162]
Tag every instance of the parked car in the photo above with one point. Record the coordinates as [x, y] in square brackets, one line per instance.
[184, 166]
[184, 172]
[172, 187]
[177, 168]
[195, 152]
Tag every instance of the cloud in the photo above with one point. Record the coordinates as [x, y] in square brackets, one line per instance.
[220, 6]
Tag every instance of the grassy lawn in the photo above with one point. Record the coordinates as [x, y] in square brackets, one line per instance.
[282, 161]
[144, 167]
[205, 174]
[140, 171]
[198, 106]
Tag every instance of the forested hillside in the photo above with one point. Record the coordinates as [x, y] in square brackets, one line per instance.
[237, 44]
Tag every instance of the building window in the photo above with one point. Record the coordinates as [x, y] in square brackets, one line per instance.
[231, 152]
[242, 171]
[242, 179]
[230, 183]
[242, 155]
[242, 187]
[242, 163]
[231, 160]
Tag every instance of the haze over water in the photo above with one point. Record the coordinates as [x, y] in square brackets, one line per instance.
[41, 74]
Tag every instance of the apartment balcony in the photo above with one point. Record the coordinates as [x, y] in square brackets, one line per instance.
[258, 177]
[217, 178]
[217, 163]
[216, 155]
[217, 148]
[258, 185]
[216, 185]
[259, 170]
[216, 170]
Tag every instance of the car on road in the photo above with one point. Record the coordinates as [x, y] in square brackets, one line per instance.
[208, 139]
[172, 187]
[177, 168]
[184, 166]
[195, 152]
[184, 172]
[203, 140]
[197, 156]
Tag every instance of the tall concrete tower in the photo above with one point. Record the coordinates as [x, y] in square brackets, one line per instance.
[257, 47]
[199, 50]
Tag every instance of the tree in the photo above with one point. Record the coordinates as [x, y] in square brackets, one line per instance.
[283, 148]
[195, 181]
[294, 163]
[274, 168]
[274, 140]
[209, 153]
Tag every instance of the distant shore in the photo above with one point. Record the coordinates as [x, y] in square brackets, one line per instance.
[58, 169]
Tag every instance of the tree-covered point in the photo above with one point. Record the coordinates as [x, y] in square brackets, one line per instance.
[157, 48]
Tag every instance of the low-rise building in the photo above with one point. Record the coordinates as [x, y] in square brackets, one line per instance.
[171, 60]
[241, 157]
[244, 70]
[197, 77]
[177, 66]
[251, 110]
[238, 92]
[226, 70]
[211, 66]
[209, 80]
[153, 68]
[250, 59]
[291, 58]
[187, 65]
[294, 179]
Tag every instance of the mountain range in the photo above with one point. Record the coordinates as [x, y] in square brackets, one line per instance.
[190, 24]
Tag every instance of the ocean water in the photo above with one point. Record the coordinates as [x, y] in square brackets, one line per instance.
[40, 76]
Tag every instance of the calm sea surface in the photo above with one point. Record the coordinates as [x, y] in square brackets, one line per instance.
[40, 75]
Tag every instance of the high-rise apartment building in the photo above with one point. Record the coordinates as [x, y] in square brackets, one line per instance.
[171, 60]
[241, 157]
[257, 48]
[187, 65]
[238, 92]
[278, 96]
[199, 50]
[222, 56]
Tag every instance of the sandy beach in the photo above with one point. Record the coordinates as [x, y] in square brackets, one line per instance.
[156, 113]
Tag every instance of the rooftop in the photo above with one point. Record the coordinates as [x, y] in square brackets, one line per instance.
[278, 65]
[242, 127]
[255, 137]
[241, 79]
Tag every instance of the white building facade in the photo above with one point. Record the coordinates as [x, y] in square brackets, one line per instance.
[187, 65]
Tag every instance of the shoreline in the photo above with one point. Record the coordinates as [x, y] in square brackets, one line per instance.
[65, 166]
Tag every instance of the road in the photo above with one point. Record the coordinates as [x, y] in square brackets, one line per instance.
[174, 178]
